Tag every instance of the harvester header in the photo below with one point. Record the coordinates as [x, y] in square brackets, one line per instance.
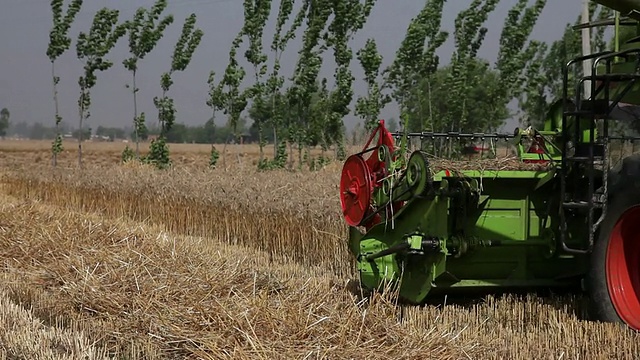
[557, 214]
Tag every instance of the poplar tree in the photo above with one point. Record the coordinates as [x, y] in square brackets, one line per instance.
[349, 17]
[416, 60]
[59, 43]
[275, 80]
[226, 95]
[4, 121]
[543, 83]
[91, 49]
[368, 107]
[256, 15]
[304, 80]
[183, 52]
[144, 35]
[468, 37]
[516, 53]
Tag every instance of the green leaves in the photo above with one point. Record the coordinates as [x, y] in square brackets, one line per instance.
[59, 40]
[416, 59]
[102, 37]
[256, 15]
[59, 43]
[468, 36]
[543, 75]
[370, 60]
[144, 33]
[514, 52]
[187, 44]
[166, 113]
[369, 107]
[91, 48]
[349, 16]
[233, 101]
[4, 121]
[183, 52]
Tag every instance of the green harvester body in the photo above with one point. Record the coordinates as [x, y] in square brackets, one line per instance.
[426, 230]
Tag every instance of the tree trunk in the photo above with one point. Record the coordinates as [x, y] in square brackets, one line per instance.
[55, 101]
[135, 115]
[80, 128]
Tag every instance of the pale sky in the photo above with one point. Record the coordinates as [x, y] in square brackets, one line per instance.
[25, 80]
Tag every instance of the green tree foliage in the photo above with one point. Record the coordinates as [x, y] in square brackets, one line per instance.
[226, 95]
[625, 34]
[111, 132]
[59, 43]
[186, 46]
[91, 49]
[36, 131]
[4, 121]
[256, 15]
[214, 155]
[416, 60]
[304, 80]
[319, 116]
[544, 74]
[478, 98]
[349, 17]
[468, 36]
[275, 80]
[516, 51]
[84, 134]
[144, 35]
[369, 107]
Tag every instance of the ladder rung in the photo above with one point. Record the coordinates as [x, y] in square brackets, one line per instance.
[580, 205]
[613, 77]
[599, 160]
[585, 113]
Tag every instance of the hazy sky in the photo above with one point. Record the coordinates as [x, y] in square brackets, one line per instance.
[25, 79]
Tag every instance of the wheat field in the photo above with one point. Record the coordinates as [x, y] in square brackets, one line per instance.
[123, 261]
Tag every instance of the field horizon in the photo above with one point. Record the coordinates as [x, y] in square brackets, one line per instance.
[121, 260]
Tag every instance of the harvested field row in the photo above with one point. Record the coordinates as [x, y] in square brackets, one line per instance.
[24, 336]
[280, 212]
[187, 296]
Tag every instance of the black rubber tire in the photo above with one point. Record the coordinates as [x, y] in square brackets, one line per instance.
[624, 192]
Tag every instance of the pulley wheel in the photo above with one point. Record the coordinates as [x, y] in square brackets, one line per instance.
[355, 190]
[418, 173]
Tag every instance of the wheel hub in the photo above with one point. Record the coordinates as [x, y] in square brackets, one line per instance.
[623, 267]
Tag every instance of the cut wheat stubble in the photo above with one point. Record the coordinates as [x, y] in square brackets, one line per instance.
[272, 211]
[190, 297]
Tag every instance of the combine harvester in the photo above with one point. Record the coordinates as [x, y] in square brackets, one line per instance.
[568, 215]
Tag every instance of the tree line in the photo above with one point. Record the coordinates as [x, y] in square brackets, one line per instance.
[301, 110]
[208, 133]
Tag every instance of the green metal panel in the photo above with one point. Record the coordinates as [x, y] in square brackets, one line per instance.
[507, 238]
[633, 94]
[629, 8]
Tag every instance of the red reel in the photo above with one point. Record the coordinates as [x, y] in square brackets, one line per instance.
[360, 177]
[355, 190]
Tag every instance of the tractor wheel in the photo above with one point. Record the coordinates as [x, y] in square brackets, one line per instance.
[614, 274]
